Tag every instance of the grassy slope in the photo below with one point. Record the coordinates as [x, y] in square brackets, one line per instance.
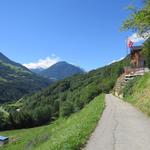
[64, 134]
[138, 93]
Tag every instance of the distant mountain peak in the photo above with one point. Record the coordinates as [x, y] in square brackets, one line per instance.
[62, 62]
[37, 70]
[61, 70]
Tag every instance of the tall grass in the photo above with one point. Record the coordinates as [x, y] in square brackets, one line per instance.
[64, 134]
[137, 92]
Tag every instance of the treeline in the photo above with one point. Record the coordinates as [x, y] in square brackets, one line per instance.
[63, 98]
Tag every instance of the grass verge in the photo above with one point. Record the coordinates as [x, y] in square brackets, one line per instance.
[64, 134]
[137, 92]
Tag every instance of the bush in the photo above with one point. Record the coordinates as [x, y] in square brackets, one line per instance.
[128, 89]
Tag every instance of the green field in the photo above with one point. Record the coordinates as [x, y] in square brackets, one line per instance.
[64, 134]
[137, 92]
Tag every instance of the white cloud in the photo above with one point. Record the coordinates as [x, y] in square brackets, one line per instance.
[113, 61]
[136, 38]
[43, 63]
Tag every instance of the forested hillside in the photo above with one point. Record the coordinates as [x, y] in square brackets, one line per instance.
[16, 80]
[62, 98]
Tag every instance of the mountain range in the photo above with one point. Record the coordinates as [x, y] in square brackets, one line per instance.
[60, 71]
[16, 80]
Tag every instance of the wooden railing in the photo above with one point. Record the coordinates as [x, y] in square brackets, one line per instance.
[130, 70]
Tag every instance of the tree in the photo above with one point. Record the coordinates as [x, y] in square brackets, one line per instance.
[139, 21]
[146, 51]
[1, 120]
[66, 109]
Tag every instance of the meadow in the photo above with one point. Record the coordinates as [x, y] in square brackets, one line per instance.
[64, 134]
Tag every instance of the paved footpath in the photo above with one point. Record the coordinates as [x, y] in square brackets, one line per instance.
[122, 127]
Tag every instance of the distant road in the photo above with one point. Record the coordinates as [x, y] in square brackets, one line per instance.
[122, 127]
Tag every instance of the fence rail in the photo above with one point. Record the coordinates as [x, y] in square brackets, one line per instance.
[129, 70]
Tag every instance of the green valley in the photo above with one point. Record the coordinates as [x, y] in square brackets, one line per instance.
[62, 98]
[65, 133]
[48, 102]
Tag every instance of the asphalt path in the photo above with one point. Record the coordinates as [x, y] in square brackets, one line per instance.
[122, 127]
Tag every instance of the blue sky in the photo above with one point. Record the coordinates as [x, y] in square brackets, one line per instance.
[82, 32]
